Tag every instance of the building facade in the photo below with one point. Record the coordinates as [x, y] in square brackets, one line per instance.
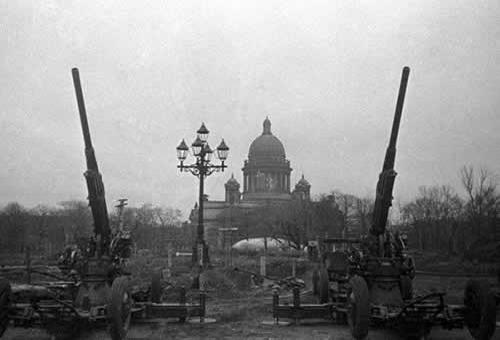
[266, 180]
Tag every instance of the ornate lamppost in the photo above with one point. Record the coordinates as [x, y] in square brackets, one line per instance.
[201, 168]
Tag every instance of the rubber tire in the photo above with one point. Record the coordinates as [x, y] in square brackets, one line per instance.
[119, 313]
[323, 286]
[358, 308]
[406, 286]
[480, 310]
[315, 282]
[156, 287]
[4, 305]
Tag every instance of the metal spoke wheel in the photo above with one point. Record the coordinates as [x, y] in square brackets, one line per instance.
[4, 304]
[119, 308]
[358, 308]
[480, 310]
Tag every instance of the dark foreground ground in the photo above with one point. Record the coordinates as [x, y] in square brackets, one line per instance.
[241, 318]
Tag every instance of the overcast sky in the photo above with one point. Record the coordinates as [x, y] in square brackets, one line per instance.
[325, 72]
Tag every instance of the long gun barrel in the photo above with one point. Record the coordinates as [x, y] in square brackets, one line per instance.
[95, 185]
[385, 184]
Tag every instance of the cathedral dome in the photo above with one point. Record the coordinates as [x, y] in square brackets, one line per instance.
[266, 146]
[266, 173]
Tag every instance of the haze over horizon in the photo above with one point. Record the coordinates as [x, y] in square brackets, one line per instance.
[326, 73]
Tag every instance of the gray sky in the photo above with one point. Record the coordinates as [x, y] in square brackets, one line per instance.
[325, 72]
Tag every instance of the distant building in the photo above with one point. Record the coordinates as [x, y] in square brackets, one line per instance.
[266, 181]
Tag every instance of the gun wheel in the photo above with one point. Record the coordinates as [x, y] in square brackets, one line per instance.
[119, 310]
[4, 304]
[480, 310]
[358, 308]
[323, 285]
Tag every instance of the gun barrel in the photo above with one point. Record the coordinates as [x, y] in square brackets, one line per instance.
[89, 150]
[81, 107]
[399, 104]
[391, 149]
[385, 184]
[95, 186]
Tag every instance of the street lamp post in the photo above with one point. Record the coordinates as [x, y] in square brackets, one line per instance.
[201, 168]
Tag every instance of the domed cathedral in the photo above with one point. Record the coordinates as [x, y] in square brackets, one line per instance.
[266, 180]
[266, 173]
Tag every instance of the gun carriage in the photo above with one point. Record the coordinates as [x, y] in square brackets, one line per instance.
[90, 286]
[369, 281]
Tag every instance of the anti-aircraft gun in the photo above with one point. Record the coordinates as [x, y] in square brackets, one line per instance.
[380, 290]
[91, 287]
[103, 245]
[103, 282]
[379, 243]
[368, 281]
[383, 275]
[372, 270]
[385, 184]
[383, 263]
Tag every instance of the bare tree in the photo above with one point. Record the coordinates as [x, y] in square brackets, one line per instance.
[483, 198]
[166, 216]
[356, 212]
[294, 223]
[363, 211]
[434, 216]
[154, 227]
[41, 216]
[481, 209]
[79, 219]
[328, 220]
[15, 234]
